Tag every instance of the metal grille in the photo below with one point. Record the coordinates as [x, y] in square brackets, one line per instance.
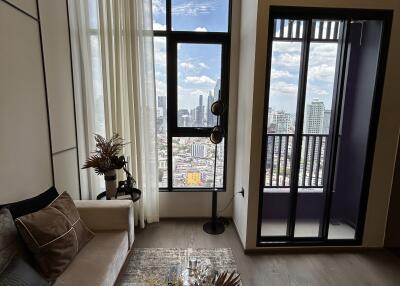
[279, 157]
[293, 30]
[288, 29]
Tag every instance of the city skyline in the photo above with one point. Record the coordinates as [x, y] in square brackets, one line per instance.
[316, 119]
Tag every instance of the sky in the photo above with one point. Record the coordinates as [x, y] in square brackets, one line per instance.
[285, 68]
[199, 65]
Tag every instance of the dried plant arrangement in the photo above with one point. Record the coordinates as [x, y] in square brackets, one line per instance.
[226, 279]
[106, 157]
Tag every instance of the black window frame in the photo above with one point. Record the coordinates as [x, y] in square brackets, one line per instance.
[346, 15]
[173, 38]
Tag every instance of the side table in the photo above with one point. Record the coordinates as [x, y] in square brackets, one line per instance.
[132, 194]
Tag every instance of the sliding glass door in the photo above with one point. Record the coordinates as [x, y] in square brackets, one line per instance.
[315, 101]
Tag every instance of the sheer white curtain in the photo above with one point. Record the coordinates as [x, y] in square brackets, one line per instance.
[128, 89]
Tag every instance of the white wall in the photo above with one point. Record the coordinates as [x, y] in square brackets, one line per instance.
[248, 30]
[25, 168]
[389, 124]
[28, 157]
[57, 59]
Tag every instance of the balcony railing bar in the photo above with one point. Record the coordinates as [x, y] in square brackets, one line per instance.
[312, 164]
[323, 162]
[298, 29]
[312, 160]
[285, 159]
[282, 28]
[272, 161]
[290, 28]
[305, 161]
[318, 159]
[279, 161]
[328, 30]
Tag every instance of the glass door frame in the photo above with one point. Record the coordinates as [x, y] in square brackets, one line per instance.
[307, 15]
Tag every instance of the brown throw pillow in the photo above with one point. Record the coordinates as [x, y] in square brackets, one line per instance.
[54, 235]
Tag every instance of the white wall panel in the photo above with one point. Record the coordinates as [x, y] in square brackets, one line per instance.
[66, 173]
[25, 168]
[55, 34]
[28, 6]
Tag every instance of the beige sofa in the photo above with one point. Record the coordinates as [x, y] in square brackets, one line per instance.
[101, 260]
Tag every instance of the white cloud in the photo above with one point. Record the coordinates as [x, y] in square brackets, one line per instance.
[161, 88]
[200, 80]
[284, 88]
[158, 26]
[158, 7]
[187, 65]
[159, 52]
[204, 66]
[287, 47]
[195, 8]
[323, 53]
[322, 72]
[290, 60]
[200, 29]
[198, 92]
[280, 73]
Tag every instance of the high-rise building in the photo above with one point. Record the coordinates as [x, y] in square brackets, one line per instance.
[192, 116]
[200, 112]
[282, 122]
[327, 119]
[314, 119]
[210, 116]
[199, 151]
[162, 113]
[217, 89]
[183, 118]
[162, 102]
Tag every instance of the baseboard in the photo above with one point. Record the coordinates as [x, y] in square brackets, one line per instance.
[310, 250]
[237, 235]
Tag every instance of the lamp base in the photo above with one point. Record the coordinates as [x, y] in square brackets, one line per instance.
[214, 227]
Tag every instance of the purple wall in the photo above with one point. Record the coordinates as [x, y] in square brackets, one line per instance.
[309, 206]
[356, 119]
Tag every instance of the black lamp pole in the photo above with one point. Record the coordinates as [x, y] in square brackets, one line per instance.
[215, 226]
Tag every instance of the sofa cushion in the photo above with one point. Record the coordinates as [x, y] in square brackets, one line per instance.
[66, 206]
[20, 273]
[54, 235]
[34, 204]
[8, 238]
[99, 263]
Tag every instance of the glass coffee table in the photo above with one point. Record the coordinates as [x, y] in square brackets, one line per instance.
[195, 272]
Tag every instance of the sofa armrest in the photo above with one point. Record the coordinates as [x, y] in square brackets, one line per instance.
[108, 215]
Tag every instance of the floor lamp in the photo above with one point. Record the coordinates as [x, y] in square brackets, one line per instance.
[217, 134]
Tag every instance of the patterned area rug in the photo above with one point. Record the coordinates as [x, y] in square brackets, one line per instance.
[156, 263]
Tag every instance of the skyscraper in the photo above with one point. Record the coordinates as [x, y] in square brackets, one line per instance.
[282, 121]
[200, 112]
[327, 119]
[314, 120]
[183, 118]
[210, 116]
[162, 113]
[217, 88]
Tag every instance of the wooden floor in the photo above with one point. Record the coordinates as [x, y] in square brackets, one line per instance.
[375, 268]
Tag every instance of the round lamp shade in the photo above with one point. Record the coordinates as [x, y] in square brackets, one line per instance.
[217, 108]
[217, 134]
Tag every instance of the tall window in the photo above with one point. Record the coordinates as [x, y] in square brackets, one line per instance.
[191, 50]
